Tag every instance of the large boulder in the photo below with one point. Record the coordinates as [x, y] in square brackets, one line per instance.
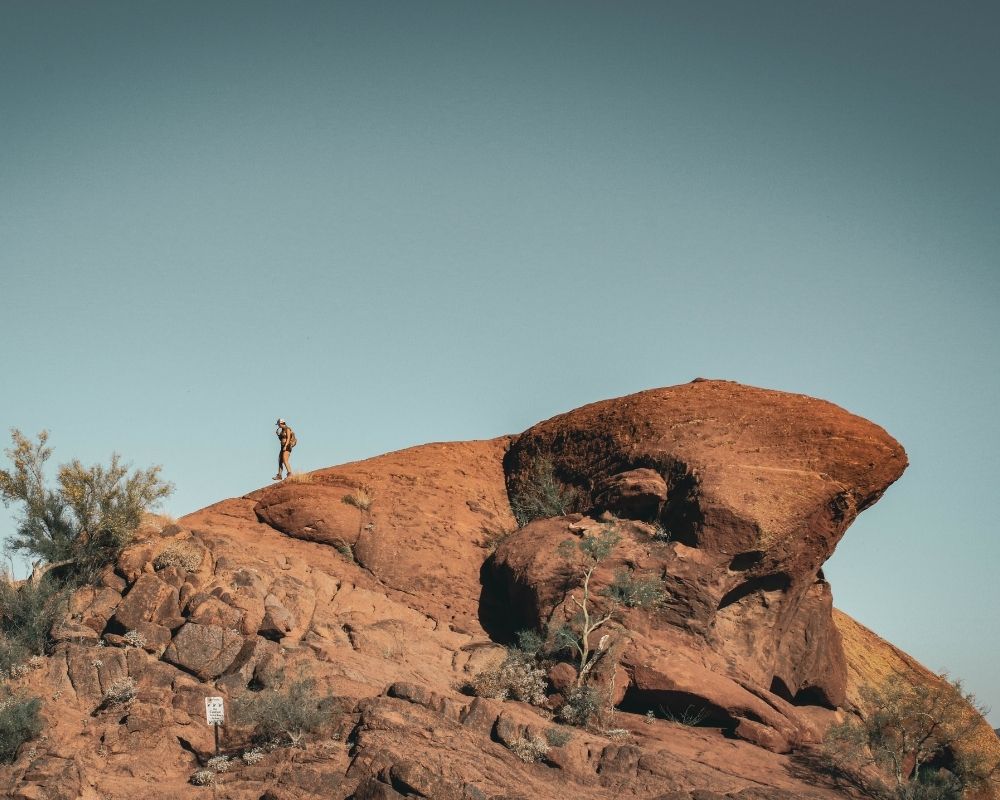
[737, 496]
[429, 515]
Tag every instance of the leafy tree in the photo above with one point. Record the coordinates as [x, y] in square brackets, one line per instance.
[919, 737]
[585, 555]
[83, 522]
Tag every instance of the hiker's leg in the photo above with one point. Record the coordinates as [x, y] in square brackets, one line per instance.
[284, 460]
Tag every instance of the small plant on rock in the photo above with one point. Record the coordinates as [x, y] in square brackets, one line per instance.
[28, 610]
[529, 748]
[119, 693]
[633, 592]
[252, 756]
[361, 498]
[203, 777]
[180, 554]
[557, 737]
[540, 494]
[219, 764]
[285, 716]
[517, 676]
[19, 722]
[584, 705]
[134, 639]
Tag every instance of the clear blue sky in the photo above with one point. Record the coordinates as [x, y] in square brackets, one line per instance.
[401, 222]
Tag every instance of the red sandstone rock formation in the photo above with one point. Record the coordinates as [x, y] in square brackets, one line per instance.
[390, 599]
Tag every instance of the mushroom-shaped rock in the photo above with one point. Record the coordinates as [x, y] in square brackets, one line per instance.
[749, 490]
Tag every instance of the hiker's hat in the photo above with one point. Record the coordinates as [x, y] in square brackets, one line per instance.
[280, 421]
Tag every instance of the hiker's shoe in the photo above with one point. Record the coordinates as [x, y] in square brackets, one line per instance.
[276, 478]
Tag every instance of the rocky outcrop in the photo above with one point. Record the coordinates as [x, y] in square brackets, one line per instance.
[749, 492]
[392, 582]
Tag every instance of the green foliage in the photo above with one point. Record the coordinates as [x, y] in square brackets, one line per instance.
[529, 641]
[87, 518]
[28, 610]
[540, 494]
[584, 705]
[285, 715]
[906, 731]
[634, 592]
[585, 555]
[557, 737]
[518, 676]
[19, 722]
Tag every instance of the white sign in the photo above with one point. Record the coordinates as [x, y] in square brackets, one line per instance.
[215, 711]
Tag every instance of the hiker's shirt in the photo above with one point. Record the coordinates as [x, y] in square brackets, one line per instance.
[285, 437]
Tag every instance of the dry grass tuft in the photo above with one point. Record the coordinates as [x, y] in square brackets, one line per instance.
[361, 498]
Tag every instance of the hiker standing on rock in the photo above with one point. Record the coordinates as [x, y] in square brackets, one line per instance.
[286, 436]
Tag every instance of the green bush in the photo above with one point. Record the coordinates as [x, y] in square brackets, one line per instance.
[539, 493]
[285, 715]
[83, 523]
[28, 611]
[906, 732]
[634, 592]
[19, 722]
[584, 705]
[518, 676]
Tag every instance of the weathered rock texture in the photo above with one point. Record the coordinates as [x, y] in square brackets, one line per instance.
[754, 488]
[395, 599]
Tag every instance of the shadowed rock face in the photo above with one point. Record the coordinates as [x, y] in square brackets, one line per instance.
[755, 489]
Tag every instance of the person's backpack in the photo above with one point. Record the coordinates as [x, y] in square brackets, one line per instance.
[292, 441]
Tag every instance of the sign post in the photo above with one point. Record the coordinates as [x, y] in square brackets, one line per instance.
[215, 713]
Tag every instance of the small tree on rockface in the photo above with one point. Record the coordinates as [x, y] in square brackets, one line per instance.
[585, 555]
[85, 521]
[919, 737]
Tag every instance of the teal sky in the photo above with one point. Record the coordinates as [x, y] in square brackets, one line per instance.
[394, 223]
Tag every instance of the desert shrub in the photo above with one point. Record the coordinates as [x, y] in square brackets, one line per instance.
[361, 498]
[518, 676]
[181, 554]
[494, 536]
[19, 722]
[84, 522]
[203, 777]
[346, 551]
[28, 610]
[908, 732]
[583, 706]
[134, 639]
[253, 756]
[661, 534]
[540, 494]
[119, 693]
[691, 716]
[529, 641]
[557, 737]
[219, 764]
[634, 592]
[529, 748]
[285, 715]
